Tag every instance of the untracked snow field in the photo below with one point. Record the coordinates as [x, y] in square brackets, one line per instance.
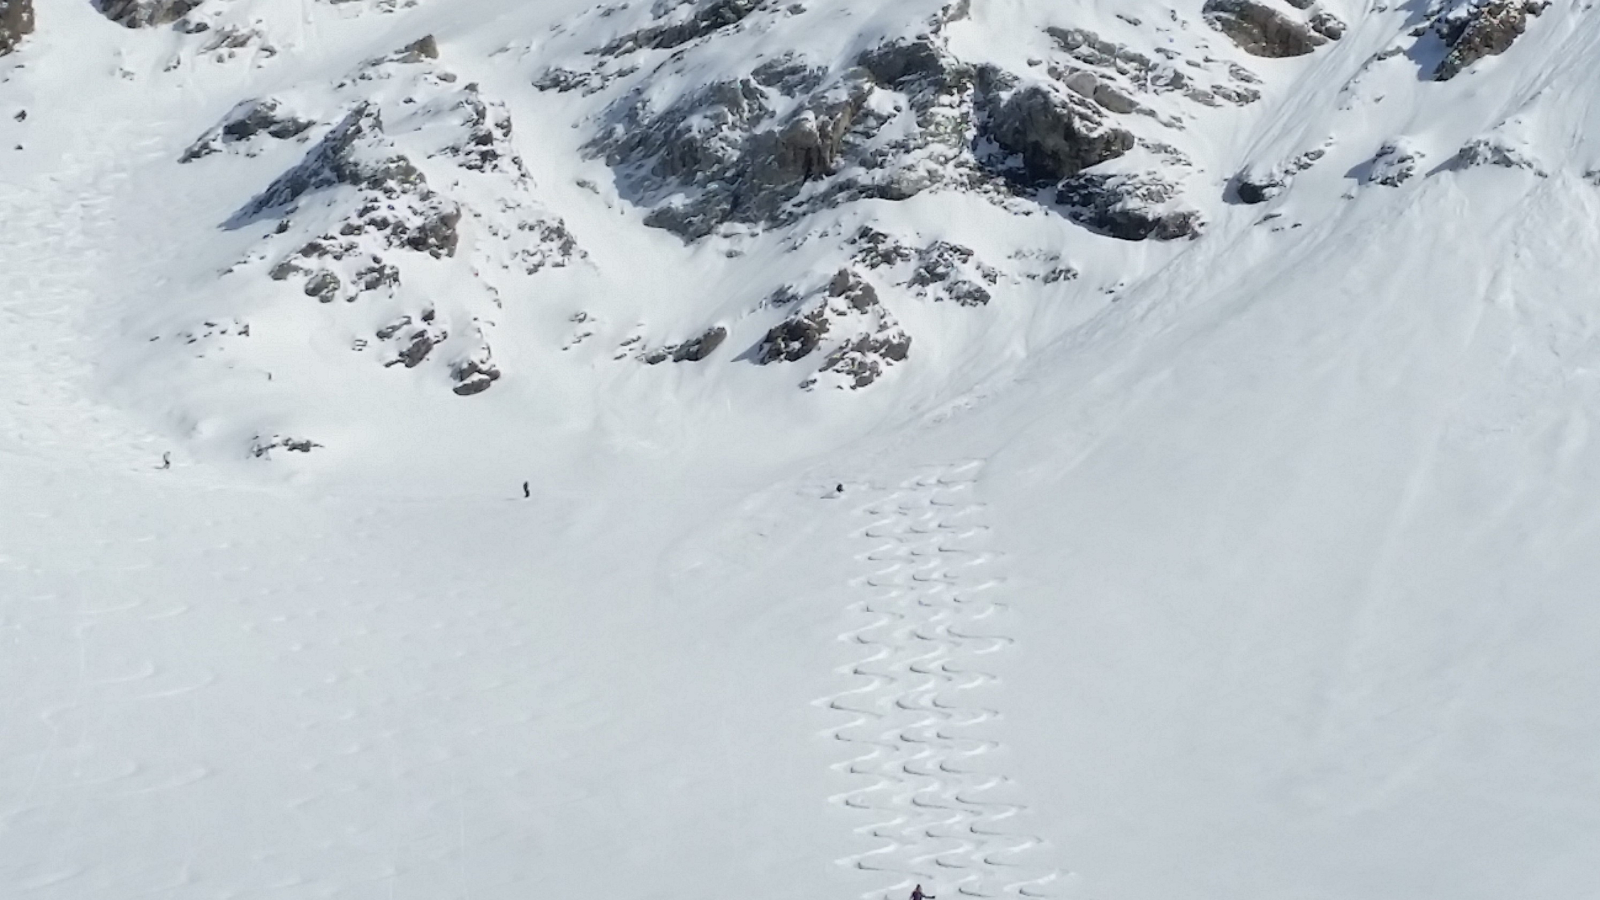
[1264, 566]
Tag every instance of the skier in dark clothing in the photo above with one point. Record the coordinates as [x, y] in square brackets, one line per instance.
[526, 492]
[917, 894]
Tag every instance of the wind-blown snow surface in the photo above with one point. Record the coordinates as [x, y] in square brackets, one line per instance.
[1254, 566]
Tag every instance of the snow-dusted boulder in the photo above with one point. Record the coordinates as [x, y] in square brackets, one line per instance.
[1395, 163]
[1258, 184]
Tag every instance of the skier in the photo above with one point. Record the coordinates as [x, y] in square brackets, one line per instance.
[526, 492]
[166, 460]
[839, 489]
[917, 894]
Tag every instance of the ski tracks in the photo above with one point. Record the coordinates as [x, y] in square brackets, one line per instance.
[928, 616]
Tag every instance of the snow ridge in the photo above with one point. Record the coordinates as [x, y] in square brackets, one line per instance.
[938, 818]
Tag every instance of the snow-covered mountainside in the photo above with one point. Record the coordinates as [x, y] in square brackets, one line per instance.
[1114, 449]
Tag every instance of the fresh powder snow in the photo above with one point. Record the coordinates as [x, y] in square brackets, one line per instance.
[1080, 449]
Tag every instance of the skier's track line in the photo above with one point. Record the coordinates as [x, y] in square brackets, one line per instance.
[915, 736]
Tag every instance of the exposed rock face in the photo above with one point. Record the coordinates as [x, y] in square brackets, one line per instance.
[1261, 30]
[1481, 28]
[1111, 73]
[1053, 139]
[1258, 184]
[1497, 150]
[1395, 163]
[146, 13]
[793, 339]
[941, 271]
[691, 350]
[705, 18]
[241, 128]
[848, 306]
[16, 21]
[402, 194]
[262, 447]
[475, 374]
[718, 155]
[1129, 207]
[404, 209]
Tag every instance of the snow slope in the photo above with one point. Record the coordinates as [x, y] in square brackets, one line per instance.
[1252, 564]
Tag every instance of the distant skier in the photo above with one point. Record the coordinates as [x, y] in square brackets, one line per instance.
[917, 894]
[526, 491]
[839, 489]
[166, 460]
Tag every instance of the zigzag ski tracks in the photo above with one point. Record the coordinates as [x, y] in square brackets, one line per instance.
[927, 615]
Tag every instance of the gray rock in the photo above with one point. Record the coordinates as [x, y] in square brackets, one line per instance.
[716, 156]
[474, 376]
[424, 48]
[354, 153]
[1129, 207]
[691, 350]
[709, 17]
[898, 63]
[422, 344]
[941, 270]
[1260, 30]
[789, 75]
[1495, 151]
[262, 447]
[1480, 29]
[146, 13]
[324, 286]
[1254, 186]
[793, 339]
[1053, 139]
[16, 22]
[243, 124]
[1395, 163]
[1328, 25]
[860, 361]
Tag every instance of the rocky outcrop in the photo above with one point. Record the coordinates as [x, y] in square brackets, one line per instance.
[1395, 163]
[412, 208]
[1261, 30]
[16, 22]
[1480, 28]
[1258, 184]
[940, 271]
[1499, 151]
[849, 307]
[241, 128]
[1113, 74]
[401, 206]
[693, 350]
[1049, 137]
[146, 13]
[1129, 207]
[704, 19]
[262, 447]
[474, 374]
